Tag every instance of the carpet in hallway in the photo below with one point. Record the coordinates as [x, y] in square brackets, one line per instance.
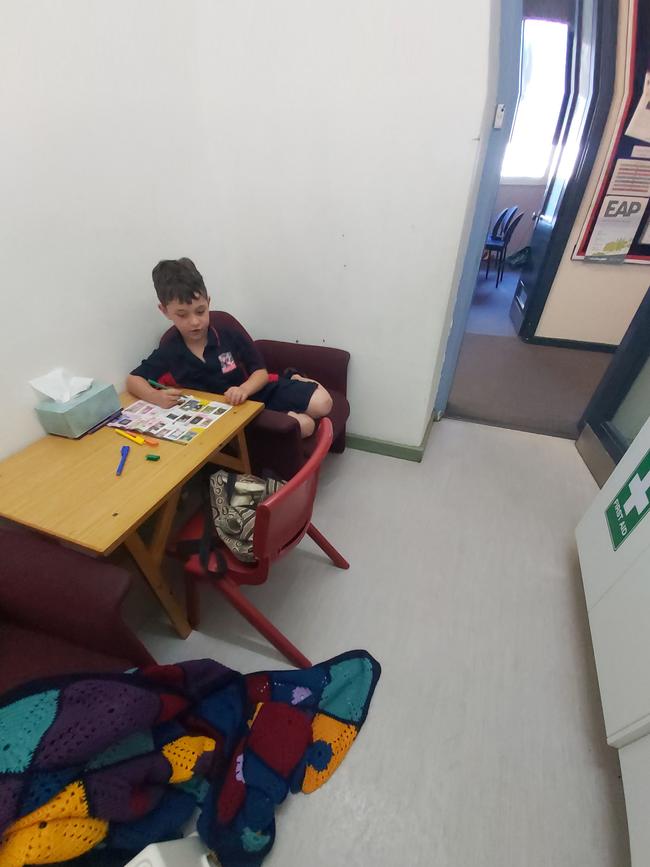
[490, 310]
[506, 382]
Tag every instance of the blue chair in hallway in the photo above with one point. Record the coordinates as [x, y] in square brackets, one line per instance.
[500, 245]
[497, 228]
[494, 239]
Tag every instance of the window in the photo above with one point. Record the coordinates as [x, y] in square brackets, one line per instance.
[541, 91]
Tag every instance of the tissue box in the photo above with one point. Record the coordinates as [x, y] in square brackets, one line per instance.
[77, 416]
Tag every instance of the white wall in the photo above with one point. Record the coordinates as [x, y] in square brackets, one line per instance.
[314, 158]
[589, 302]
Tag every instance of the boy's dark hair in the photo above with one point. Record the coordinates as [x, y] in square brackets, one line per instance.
[178, 280]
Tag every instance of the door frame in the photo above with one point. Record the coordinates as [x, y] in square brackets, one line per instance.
[629, 359]
[508, 93]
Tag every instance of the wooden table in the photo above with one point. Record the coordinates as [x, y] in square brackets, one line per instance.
[68, 489]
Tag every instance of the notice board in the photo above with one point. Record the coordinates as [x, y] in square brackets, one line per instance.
[617, 227]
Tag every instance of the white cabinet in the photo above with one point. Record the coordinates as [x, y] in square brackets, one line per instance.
[615, 564]
[635, 767]
[620, 631]
[602, 565]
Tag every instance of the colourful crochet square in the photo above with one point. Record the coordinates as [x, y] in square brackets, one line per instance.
[124, 759]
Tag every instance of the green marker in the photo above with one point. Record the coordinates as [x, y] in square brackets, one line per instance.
[153, 457]
[156, 384]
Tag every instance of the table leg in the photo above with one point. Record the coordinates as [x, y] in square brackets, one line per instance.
[240, 463]
[243, 451]
[149, 559]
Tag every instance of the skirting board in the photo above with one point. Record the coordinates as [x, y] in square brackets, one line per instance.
[392, 450]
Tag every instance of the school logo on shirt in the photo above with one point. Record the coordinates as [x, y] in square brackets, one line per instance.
[227, 362]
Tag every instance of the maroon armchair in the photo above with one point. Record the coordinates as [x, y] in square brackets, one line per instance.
[60, 613]
[274, 440]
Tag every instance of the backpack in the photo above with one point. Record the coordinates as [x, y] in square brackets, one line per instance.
[230, 501]
[234, 499]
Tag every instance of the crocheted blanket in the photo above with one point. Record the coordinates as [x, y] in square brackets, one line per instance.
[121, 761]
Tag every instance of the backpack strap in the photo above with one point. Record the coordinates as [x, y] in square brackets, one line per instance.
[231, 481]
[209, 542]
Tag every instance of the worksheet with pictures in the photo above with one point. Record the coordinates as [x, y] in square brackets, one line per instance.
[181, 424]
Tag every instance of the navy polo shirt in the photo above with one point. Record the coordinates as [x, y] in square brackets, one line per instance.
[229, 359]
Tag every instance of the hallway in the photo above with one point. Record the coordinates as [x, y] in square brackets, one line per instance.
[504, 381]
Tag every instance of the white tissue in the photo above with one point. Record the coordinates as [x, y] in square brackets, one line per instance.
[60, 385]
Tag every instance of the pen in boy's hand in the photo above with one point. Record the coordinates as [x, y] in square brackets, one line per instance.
[157, 384]
[168, 399]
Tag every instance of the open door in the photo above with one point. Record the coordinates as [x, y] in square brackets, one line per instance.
[590, 76]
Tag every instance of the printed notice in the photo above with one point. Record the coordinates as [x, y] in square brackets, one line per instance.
[630, 178]
[616, 226]
[639, 126]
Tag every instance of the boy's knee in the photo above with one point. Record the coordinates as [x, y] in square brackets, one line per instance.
[320, 404]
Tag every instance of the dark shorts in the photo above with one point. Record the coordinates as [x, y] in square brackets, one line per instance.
[287, 395]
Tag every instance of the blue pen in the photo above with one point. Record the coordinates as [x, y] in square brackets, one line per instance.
[125, 453]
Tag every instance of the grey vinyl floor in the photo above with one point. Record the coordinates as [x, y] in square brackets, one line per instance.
[484, 746]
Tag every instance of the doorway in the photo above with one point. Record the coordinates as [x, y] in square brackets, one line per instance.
[544, 85]
[504, 375]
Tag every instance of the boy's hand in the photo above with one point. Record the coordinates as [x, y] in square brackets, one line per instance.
[235, 395]
[166, 399]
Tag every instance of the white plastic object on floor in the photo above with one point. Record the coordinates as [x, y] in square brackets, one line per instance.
[188, 852]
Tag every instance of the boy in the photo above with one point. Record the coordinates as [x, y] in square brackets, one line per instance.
[225, 362]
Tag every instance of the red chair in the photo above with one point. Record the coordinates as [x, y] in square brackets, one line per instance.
[281, 521]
